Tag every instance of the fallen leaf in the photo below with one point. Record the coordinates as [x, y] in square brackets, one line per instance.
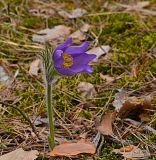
[132, 107]
[143, 4]
[132, 152]
[120, 99]
[85, 27]
[5, 73]
[139, 7]
[99, 51]
[72, 149]
[57, 33]
[109, 79]
[20, 154]
[105, 126]
[79, 35]
[86, 89]
[144, 117]
[76, 13]
[127, 148]
[34, 67]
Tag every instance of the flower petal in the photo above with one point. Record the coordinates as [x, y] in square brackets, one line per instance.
[57, 54]
[64, 45]
[77, 49]
[65, 71]
[58, 63]
[81, 61]
[88, 69]
[83, 58]
[77, 68]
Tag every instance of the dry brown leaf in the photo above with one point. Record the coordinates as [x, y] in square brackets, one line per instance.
[6, 74]
[120, 99]
[132, 152]
[86, 89]
[134, 107]
[57, 33]
[34, 67]
[20, 154]
[105, 126]
[143, 4]
[99, 51]
[127, 148]
[109, 79]
[73, 149]
[79, 35]
[76, 13]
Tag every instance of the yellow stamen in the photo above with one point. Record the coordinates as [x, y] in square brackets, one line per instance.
[68, 60]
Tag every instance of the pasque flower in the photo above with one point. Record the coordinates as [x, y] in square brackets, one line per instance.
[70, 60]
[67, 60]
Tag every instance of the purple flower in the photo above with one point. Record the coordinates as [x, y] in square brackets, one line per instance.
[69, 60]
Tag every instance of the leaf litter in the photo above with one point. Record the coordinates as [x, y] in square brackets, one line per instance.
[99, 51]
[70, 149]
[105, 126]
[20, 154]
[86, 89]
[80, 34]
[134, 107]
[5, 73]
[107, 78]
[57, 33]
[76, 13]
[138, 7]
[132, 152]
[44, 9]
[131, 117]
[34, 67]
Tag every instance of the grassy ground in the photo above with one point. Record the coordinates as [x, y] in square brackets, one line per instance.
[132, 38]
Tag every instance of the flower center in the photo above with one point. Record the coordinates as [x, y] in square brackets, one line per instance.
[68, 60]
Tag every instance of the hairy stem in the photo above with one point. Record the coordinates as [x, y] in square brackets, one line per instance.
[50, 115]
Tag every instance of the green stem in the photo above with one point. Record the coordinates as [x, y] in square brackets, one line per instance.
[50, 115]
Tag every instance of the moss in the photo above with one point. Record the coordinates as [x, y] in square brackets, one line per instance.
[120, 23]
[33, 22]
[107, 153]
[153, 67]
[54, 21]
[148, 40]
